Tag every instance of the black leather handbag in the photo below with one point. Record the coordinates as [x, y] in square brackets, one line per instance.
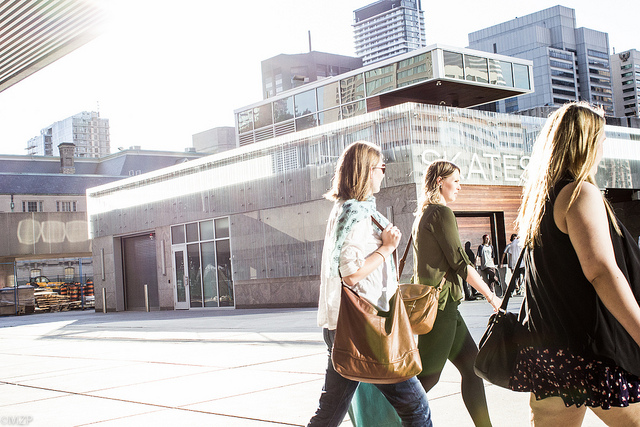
[499, 345]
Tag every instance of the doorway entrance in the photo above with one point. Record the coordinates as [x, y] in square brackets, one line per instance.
[139, 255]
[201, 256]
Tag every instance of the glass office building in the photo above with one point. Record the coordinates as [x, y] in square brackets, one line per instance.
[245, 228]
[440, 75]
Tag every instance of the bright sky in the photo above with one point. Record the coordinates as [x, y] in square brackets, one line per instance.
[165, 70]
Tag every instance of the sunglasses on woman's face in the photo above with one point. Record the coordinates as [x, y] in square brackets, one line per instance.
[382, 168]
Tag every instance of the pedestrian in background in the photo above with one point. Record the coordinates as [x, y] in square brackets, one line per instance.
[580, 308]
[359, 255]
[512, 252]
[487, 257]
[470, 294]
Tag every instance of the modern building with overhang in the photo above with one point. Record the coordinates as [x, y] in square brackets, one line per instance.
[438, 75]
[244, 228]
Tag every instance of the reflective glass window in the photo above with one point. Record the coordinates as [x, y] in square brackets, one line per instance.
[328, 116]
[195, 287]
[262, 116]
[328, 96]
[453, 65]
[209, 285]
[245, 121]
[222, 227]
[192, 232]
[414, 70]
[225, 283]
[354, 109]
[476, 69]
[500, 73]
[352, 88]
[177, 234]
[206, 230]
[305, 103]
[283, 109]
[380, 80]
[521, 76]
[306, 122]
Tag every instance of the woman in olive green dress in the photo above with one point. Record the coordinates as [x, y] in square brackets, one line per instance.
[438, 253]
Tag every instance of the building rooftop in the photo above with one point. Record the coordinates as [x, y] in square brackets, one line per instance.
[42, 174]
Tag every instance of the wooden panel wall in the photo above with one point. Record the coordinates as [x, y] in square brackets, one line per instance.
[486, 198]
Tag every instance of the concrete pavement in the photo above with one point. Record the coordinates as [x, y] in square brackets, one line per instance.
[199, 367]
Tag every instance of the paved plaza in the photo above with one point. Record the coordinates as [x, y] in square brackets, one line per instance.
[193, 368]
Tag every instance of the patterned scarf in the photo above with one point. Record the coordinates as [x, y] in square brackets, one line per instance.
[352, 212]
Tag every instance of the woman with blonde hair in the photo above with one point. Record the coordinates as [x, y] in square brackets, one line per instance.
[580, 277]
[438, 254]
[358, 254]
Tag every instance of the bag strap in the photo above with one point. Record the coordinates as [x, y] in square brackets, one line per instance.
[404, 256]
[512, 284]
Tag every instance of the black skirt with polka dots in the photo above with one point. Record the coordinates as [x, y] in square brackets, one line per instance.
[577, 380]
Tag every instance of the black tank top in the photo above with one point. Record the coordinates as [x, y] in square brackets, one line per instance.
[562, 309]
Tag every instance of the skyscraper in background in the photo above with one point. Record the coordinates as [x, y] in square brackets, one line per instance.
[625, 69]
[388, 28]
[569, 63]
[87, 130]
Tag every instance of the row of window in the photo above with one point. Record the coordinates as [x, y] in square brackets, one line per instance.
[200, 231]
[347, 92]
[38, 206]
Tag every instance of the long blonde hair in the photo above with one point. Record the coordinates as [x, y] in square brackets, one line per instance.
[353, 171]
[431, 189]
[567, 146]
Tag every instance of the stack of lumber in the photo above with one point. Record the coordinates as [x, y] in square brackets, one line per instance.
[50, 301]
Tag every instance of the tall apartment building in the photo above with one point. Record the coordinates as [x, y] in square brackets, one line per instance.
[283, 72]
[625, 73]
[569, 63]
[87, 130]
[388, 28]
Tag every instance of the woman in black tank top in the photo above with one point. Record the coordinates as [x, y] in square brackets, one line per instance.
[581, 304]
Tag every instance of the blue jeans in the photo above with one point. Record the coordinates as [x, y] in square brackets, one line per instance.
[408, 397]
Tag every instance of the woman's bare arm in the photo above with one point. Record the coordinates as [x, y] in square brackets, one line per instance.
[587, 225]
[474, 279]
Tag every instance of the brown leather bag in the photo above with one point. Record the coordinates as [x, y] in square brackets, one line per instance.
[421, 301]
[371, 345]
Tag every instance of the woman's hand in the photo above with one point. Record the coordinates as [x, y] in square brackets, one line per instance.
[391, 237]
[495, 302]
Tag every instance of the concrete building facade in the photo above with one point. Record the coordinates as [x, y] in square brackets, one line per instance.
[569, 63]
[216, 140]
[86, 130]
[388, 28]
